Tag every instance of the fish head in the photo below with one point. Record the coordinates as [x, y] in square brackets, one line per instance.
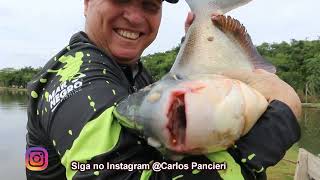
[203, 115]
[195, 115]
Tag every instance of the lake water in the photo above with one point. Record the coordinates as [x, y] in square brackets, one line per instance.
[13, 117]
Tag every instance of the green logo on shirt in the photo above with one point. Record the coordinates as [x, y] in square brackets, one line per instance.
[70, 70]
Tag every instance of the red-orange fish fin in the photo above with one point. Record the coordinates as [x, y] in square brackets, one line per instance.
[233, 27]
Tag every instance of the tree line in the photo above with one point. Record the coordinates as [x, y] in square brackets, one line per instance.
[17, 78]
[297, 63]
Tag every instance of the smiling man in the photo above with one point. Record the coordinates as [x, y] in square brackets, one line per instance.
[123, 28]
[73, 97]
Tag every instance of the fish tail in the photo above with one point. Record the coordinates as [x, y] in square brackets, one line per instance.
[214, 6]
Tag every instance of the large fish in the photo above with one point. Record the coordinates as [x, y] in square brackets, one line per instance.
[193, 109]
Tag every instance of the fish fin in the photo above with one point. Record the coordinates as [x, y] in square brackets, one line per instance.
[233, 27]
[225, 6]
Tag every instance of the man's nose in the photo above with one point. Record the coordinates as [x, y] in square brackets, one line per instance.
[134, 15]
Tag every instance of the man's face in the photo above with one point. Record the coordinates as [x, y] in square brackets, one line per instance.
[123, 28]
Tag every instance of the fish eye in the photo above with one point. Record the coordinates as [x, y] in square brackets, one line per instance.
[178, 77]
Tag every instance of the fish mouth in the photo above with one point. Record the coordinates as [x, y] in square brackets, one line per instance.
[177, 121]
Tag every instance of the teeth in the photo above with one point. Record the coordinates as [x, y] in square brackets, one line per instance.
[128, 34]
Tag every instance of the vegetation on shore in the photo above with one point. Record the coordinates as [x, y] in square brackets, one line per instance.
[297, 63]
[17, 78]
[311, 105]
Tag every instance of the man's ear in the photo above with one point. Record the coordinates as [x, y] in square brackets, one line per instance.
[86, 2]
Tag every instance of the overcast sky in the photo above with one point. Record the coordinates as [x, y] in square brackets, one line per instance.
[33, 31]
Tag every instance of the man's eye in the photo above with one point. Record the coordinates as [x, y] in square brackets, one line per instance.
[121, 1]
[151, 6]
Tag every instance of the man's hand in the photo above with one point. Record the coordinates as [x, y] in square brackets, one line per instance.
[190, 18]
[188, 22]
[270, 86]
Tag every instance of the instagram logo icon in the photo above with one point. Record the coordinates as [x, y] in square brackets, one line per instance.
[36, 159]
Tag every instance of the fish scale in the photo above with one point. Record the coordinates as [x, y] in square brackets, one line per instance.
[201, 56]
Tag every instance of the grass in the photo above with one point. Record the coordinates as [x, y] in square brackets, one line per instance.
[311, 105]
[285, 169]
[13, 89]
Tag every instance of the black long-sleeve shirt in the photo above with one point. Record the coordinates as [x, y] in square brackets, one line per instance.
[70, 114]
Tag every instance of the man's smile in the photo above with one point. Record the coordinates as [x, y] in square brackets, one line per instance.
[131, 35]
[123, 29]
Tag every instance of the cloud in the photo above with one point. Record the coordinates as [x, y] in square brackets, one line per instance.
[32, 37]
[276, 21]
[4, 12]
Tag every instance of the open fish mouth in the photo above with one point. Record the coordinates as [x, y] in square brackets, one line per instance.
[177, 116]
[177, 120]
[177, 124]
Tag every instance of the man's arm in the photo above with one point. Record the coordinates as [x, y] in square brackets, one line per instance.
[277, 129]
[269, 139]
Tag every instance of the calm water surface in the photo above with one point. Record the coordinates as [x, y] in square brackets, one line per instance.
[13, 117]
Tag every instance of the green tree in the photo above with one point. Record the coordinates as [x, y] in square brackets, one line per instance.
[313, 75]
[10, 77]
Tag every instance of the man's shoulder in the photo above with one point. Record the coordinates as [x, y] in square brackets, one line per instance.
[70, 71]
[80, 51]
[79, 77]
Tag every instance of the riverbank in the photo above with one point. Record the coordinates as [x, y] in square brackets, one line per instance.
[306, 105]
[13, 89]
[311, 105]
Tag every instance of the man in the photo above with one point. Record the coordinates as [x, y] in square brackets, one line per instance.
[72, 99]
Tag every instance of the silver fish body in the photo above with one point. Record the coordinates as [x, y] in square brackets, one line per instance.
[207, 49]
